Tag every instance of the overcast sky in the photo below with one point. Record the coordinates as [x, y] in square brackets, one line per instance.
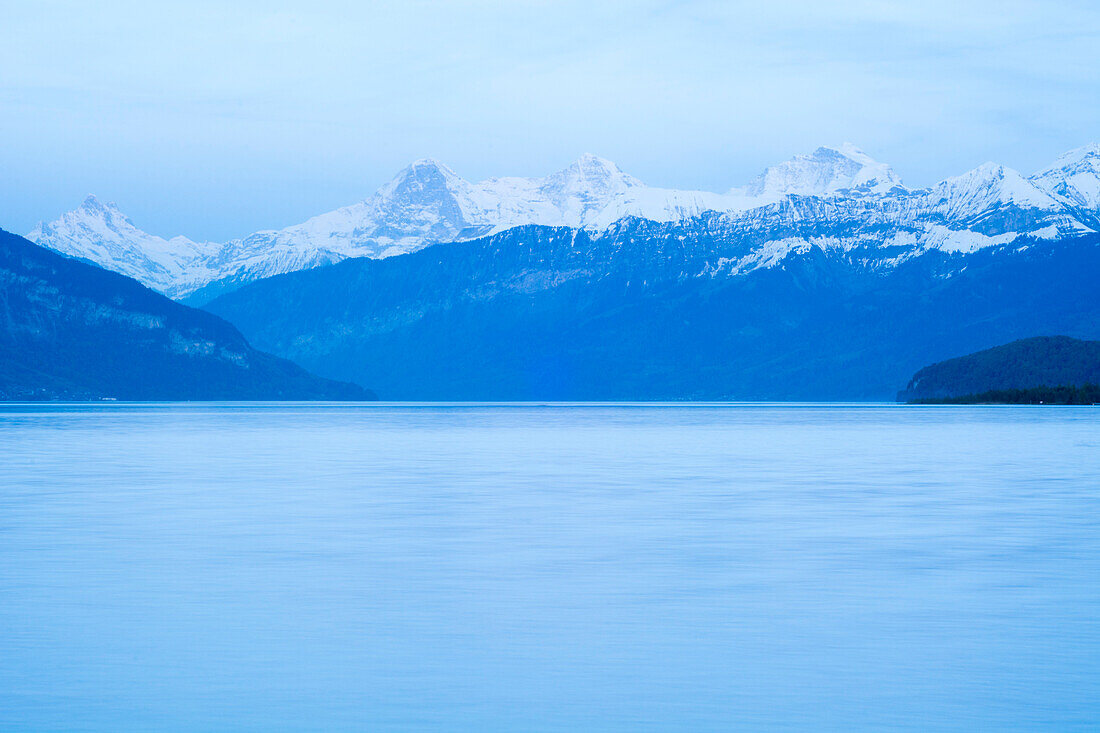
[214, 119]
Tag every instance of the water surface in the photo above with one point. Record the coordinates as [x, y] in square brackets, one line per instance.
[523, 567]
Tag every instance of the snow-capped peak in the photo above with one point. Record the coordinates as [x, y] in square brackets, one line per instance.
[425, 174]
[429, 166]
[595, 169]
[91, 203]
[990, 185]
[824, 171]
[104, 219]
[1074, 178]
[428, 162]
[92, 208]
[101, 233]
[590, 173]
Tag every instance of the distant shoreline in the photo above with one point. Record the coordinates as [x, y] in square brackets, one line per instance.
[1088, 394]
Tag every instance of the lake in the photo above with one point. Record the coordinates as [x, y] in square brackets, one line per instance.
[192, 567]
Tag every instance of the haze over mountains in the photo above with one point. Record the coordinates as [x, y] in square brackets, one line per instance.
[428, 203]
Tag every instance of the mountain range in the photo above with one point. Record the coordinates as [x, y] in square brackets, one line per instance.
[427, 203]
[823, 278]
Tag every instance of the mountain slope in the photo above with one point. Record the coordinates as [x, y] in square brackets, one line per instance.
[70, 330]
[715, 307]
[1043, 361]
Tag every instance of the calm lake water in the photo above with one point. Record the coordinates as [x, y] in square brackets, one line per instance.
[602, 567]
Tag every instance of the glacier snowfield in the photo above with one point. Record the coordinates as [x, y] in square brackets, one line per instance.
[548, 567]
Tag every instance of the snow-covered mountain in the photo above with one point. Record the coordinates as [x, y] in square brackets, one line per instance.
[822, 196]
[102, 234]
[1074, 179]
[824, 171]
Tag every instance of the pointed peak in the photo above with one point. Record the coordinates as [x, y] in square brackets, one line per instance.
[427, 163]
[992, 184]
[420, 176]
[822, 151]
[987, 171]
[990, 174]
[591, 160]
[425, 168]
[92, 204]
[591, 169]
[589, 165]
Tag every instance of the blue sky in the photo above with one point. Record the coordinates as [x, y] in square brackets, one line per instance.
[214, 119]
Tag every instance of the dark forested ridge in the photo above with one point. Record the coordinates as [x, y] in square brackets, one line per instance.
[1027, 370]
[1088, 394]
[644, 312]
[70, 330]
